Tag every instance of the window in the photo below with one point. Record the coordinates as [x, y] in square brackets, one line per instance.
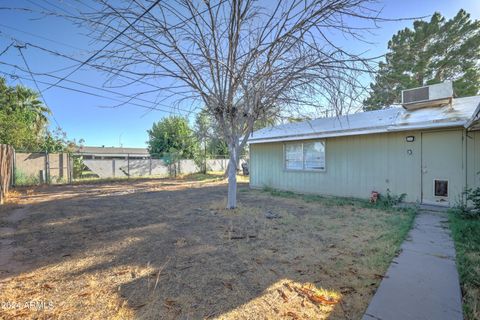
[441, 188]
[305, 155]
[293, 156]
[314, 156]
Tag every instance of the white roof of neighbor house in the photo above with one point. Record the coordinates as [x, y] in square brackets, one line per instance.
[111, 151]
[461, 112]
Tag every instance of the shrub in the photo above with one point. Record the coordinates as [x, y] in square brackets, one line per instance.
[474, 196]
[392, 199]
[23, 179]
[78, 167]
[389, 200]
[462, 209]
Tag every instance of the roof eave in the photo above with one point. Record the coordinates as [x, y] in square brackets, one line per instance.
[474, 117]
[320, 135]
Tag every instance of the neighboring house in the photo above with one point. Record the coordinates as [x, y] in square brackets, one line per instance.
[428, 148]
[112, 153]
[110, 162]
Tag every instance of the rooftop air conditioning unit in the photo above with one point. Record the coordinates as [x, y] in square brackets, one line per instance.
[428, 96]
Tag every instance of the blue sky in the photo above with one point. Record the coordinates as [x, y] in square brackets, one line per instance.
[86, 116]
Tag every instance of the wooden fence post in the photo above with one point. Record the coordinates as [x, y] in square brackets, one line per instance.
[70, 167]
[47, 167]
[128, 165]
[14, 163]
[6, 169]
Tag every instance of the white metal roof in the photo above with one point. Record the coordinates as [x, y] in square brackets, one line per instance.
[461, 112]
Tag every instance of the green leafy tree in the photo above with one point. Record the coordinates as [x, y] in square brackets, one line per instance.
[23, 117]
[203, 133]
[217, 147]
[57, 141]
[211, 144]
[432, 52]
[172, 135]
[24, 121]
[19, 99]
[15, 130]
[28, 100]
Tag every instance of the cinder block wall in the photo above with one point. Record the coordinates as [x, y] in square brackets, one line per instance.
[58, 167]
[115, 168]
[28, 167]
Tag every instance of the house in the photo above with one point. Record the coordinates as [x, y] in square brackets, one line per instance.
[427, 148]
[111, 153]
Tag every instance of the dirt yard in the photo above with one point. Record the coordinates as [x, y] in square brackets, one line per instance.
[167, 249]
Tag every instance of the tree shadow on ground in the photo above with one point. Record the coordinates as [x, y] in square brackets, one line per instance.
[177, 254]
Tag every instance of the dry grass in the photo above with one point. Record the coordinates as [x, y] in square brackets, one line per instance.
[168, 249]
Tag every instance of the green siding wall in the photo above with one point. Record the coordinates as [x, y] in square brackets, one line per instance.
[443, 158]
[355, 166]
[473, 159]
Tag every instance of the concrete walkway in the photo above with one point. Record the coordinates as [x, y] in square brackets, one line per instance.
[422, 282]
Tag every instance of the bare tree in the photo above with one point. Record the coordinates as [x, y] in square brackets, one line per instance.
[342, 95]
[240, 60]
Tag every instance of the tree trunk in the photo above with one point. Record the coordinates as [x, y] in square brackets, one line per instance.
[205, 158]
[227, 170]
[232, 179]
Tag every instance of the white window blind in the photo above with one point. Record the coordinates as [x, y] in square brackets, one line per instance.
[294, 156]
[305, 155]
[314, 155]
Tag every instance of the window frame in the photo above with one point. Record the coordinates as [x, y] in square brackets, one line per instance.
[285, 156]
[324, 141]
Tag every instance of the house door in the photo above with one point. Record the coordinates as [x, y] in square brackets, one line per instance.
[442, 170]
